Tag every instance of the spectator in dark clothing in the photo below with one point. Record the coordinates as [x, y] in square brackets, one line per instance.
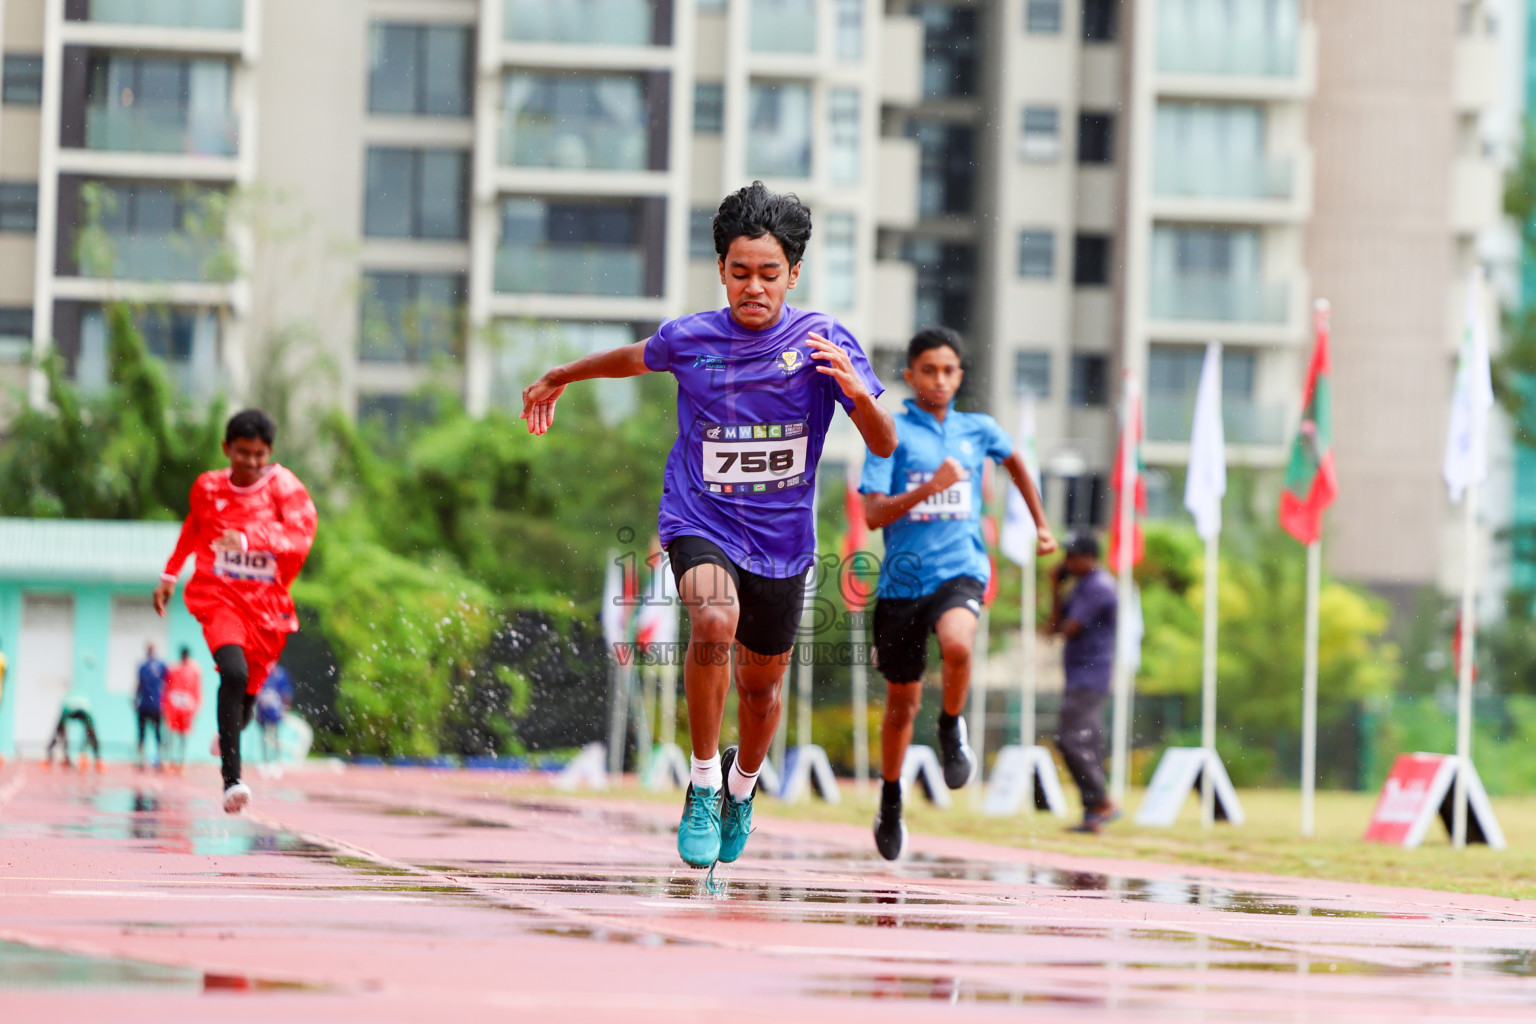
[146, 700]
[1085, 616]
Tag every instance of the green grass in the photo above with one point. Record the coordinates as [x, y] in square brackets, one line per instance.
[1270, 842]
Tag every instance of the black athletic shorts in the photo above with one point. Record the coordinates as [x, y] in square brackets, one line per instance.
[902, 625]
[770, 608]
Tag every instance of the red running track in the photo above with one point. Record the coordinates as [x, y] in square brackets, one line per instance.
[386, 895]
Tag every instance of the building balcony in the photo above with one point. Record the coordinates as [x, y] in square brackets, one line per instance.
[157, 256]
[1215, 62]
[782, 26]
[896, 187]
[1219, 300]
[1258, 190]
[217, 15]
[583, 22]
[130, 130]
[576, 145]
[1477, 192]
[901, 62]
[571, 269]
[1476, 75]
[1170, 418]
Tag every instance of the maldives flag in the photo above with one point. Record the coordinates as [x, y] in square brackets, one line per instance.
[1310, 481]
[1130, 440]
[856, 591]
[989, 534]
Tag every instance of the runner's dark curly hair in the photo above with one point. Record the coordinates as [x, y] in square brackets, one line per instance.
[753, 212]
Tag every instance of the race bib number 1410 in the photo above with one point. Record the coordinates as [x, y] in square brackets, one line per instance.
[754, 458]
[260, 566]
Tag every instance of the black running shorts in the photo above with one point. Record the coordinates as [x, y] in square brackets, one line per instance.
[770, 608]
[902, 626]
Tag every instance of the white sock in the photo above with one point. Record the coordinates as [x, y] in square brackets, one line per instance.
[740, 782]
[705, 774]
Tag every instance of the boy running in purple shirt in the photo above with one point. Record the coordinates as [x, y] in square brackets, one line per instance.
[757, 386]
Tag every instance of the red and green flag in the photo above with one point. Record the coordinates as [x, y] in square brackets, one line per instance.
[1128, 460]
[1310, 481]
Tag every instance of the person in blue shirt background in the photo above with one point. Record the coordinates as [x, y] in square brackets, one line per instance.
[927, 497]
[146, 700]
[271, 705]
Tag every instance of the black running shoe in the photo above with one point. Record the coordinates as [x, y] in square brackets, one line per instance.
[956, 756]
[890, 830]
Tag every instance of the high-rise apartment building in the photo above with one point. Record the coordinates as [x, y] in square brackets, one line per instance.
[386, 192]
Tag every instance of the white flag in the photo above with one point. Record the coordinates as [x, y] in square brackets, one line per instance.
[657, 619]
[614, 613]
[1132, 629]
[1207, 479]
[1018, 540]
[1466, 445]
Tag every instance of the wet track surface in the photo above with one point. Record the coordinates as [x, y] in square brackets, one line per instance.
[384, 895]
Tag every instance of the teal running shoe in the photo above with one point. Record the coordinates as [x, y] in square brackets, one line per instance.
[698, 835]
[735, 815]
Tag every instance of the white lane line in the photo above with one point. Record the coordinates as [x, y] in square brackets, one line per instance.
[149, 894]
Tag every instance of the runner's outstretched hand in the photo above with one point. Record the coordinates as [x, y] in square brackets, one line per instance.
[1045, 541]
[539, 404]
[836, 364]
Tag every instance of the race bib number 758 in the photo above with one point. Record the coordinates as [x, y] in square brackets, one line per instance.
[751, 458]
[260, 566]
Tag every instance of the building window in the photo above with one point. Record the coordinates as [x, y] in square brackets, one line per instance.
[15, 323]
[701, 234]
[951, 49]
[839, 251]
[524, 347]
[580, 120]
[1032, 373]
[1090, 260]
[21, 84]
[420, 69]
[1095, 138]
[18, 206]
[187, 339]
[708, 107]
[1041, 140]
[946, 182]
[1085, 501]
[710, 6]
[1099, 20]
[946, 273]
[843, 155]
[850, 29]
[779, 129]
[783, 26]
[155, 104]
[411, 317]
[608, 23]
[1090, 381]
[416, 193]
[1037, 253]
[580, 246]
[1043, 17]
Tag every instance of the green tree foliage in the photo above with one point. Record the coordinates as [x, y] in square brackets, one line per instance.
[1261, 605]
[129, 452]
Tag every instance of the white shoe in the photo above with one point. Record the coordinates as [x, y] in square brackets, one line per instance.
[236, 797]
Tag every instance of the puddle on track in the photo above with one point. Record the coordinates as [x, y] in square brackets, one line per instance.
[34, 968]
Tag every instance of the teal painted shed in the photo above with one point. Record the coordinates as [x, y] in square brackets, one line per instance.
[75, 617]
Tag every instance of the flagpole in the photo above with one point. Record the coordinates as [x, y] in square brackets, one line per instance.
[1464, 669]
[1125, 555]
[1208, 686]
[805, 650]
[667, 728]
[860, 702]
[1027, 650]
[977, 727]
[1309, 692]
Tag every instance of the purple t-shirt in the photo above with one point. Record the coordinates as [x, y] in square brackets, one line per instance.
[1089, 657]
[752, 416]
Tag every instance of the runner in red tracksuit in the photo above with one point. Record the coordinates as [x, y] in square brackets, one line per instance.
[250, 528]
